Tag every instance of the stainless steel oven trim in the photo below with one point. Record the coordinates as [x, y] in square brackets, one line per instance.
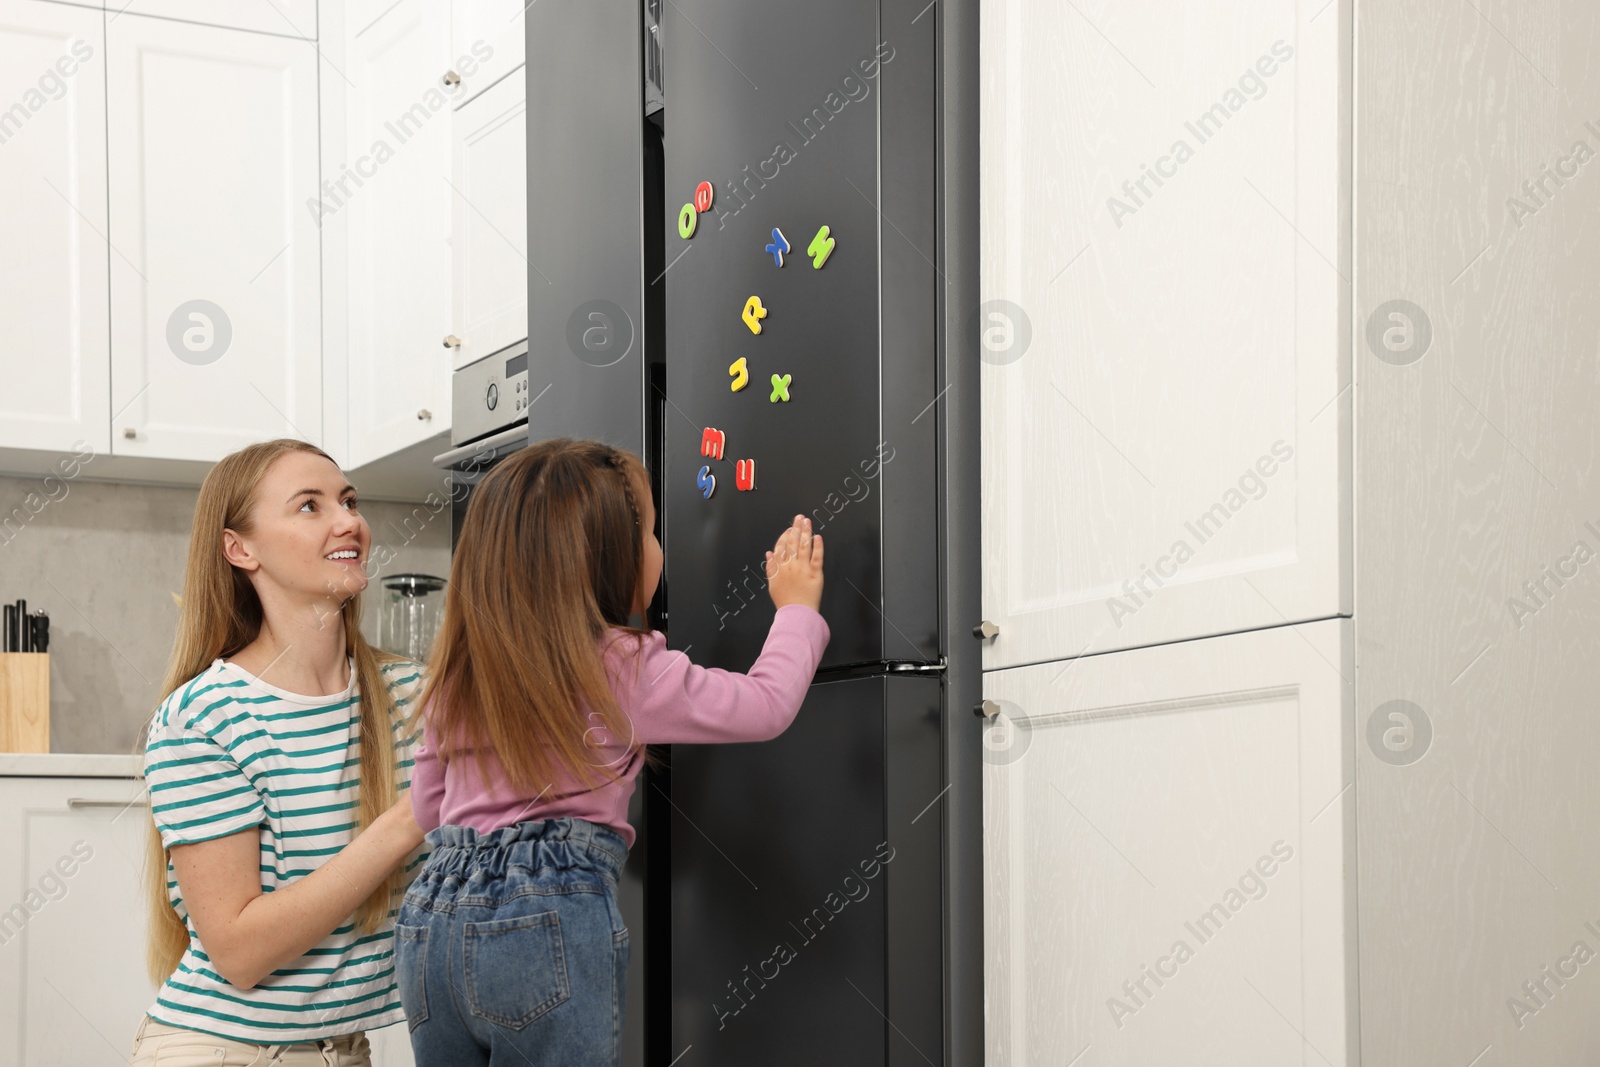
[485, 450]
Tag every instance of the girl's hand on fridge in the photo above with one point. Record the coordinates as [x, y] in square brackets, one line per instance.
[794, 566]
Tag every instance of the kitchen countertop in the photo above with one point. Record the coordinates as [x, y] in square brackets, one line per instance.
[69, 765]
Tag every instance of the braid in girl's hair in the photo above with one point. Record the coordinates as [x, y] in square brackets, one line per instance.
[618, 462]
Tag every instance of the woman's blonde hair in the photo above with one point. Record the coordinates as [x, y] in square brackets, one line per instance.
[220, 615]
[549, 558]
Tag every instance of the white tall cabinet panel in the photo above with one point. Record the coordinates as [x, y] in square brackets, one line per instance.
[288, 18]
[1165, 270]
[1169, 855]
[491, 34]
[72, 973]
[490, 226]
[213, 144]
[399, 276]
[56, 359]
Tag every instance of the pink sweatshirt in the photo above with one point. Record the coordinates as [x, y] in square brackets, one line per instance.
[668, 700]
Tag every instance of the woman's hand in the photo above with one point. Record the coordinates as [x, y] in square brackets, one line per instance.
[794, 566]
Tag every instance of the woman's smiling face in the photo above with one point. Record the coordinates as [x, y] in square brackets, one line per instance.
[309, 538]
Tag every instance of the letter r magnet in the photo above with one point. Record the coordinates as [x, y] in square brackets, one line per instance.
[753, 314]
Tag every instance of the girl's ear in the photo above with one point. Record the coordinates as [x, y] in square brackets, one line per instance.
[235, 552]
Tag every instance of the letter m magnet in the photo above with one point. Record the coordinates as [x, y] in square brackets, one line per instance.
[711, 442]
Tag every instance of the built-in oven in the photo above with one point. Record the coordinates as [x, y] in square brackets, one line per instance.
[490, 402]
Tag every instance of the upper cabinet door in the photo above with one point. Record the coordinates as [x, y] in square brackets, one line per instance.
[56, 361]
[487, 42]
[1169, 854]
[286, 18]
[398, 138]
[490, 222]
[1165, 337]
[214, 216]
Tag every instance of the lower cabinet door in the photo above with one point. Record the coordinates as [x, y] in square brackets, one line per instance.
[72, 920]
[391, 1046]
[1169, 854]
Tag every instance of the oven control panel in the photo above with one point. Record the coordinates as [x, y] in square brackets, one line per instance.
[490, 394]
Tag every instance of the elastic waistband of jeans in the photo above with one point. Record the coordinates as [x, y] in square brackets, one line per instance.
[563, 842]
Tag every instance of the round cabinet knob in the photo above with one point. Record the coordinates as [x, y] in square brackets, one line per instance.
[451, 78]
[452, 341]
[985, 630]
[986, 709]
[424, 415]
[130, 433]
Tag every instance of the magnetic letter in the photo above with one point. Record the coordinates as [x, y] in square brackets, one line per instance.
[779, 246]
[821, 248]
[744, 475]
[741, 375]
[711, 442]
[780, 388]
[753, 314]
[687, 218]
[707, 483]
[702, 197]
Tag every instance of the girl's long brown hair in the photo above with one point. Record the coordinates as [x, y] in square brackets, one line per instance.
[221, 614]
[549, 558]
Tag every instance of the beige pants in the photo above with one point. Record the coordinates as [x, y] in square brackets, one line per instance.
[158, 1045]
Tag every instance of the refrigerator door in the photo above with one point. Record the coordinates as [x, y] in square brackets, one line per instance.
[807, 884]
[800, 118]
[591, 158]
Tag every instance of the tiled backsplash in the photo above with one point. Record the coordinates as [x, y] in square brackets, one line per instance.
[105, 559]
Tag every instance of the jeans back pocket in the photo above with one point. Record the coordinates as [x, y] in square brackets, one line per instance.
[516, 968]
[411, 965]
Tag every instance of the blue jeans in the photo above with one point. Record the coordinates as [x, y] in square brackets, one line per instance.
[510, 948]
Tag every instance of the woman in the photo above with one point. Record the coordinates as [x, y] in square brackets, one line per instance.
[281, 823]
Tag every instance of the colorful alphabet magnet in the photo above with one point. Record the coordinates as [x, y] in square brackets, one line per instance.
[753, 314]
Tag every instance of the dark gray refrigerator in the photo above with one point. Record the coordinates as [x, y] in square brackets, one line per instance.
[775, 206]
[824, 902]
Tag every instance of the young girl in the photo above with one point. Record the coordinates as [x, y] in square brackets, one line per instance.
[510, 945]
[277, 769]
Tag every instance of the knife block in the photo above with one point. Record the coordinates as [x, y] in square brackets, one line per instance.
[24, 702]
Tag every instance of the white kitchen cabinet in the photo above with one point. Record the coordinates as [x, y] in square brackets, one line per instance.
[490, 221]
[1193, 794]
[1166, 358]
[397, 132]
[285, 18]
[489, 33]
[215, 302]
[56, 359]
[391, 1046]
[72, 932]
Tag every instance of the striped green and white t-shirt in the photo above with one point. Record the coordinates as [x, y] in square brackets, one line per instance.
[228, 752]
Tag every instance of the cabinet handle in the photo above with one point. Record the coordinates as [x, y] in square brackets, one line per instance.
[451, 78]
[130, 433]
[452, 341]
[424, 415]
[98, 802]
[985, 630]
